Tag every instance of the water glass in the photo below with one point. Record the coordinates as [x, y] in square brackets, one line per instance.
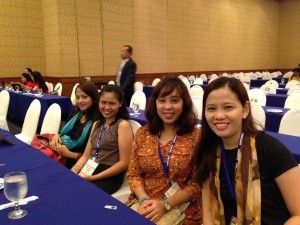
[27, 89]
[15, 189]
[282, 80]
[17, 88]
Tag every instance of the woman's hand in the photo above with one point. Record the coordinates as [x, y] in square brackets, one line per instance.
[64, 151]
[152, 209]
[55, 142]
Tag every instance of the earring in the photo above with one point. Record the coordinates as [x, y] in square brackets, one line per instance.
[244, 116]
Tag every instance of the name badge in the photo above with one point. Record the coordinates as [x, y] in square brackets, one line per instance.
[89, 167]
[172, 190]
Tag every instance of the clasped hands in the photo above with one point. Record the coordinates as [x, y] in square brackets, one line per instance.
[152, 209]
[57, 145]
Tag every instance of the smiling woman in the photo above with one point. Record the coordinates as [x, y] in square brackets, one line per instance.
[245, 174]
[72, 139]
[108, 147]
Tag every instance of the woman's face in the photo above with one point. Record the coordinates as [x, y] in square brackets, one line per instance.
[224, 114]
[109, 105]
[23, 79]
[169, 107]
[83, 100]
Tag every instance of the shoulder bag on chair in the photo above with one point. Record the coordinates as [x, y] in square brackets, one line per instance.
[41, 142]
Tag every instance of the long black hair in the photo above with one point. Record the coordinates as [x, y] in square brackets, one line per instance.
[37, 76]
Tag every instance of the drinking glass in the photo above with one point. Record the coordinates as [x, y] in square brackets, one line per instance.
[282, 80]
[136, 108]
[17, 88]
[15, 189]
[27, 90]
[40, 91]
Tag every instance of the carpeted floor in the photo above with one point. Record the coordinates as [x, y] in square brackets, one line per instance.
[14, 127]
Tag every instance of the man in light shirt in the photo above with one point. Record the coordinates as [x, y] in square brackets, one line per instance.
[126, 73]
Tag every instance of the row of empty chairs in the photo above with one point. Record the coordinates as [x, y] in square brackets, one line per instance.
[51, 122]
[57, 88]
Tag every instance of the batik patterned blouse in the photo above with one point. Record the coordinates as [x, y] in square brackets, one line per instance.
[146, 170]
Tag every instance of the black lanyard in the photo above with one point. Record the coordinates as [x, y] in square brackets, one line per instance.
[166, 164]
[231, 184]
[101, 135]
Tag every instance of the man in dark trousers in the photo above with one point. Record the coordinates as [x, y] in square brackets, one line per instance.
[126, 73]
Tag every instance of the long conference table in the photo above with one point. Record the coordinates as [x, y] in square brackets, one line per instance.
[64, 197]
[291, 142]
[19, 103]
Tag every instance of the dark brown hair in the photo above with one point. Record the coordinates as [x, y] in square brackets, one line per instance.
[187, 119]
[205, 154]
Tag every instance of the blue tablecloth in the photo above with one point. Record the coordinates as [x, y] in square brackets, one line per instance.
[273, 118]
[282, 91]
[276, 100]
[64, 197]
[19, 103]
[291, 142]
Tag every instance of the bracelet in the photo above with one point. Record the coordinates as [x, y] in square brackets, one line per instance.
[78, 166]
[145, 197]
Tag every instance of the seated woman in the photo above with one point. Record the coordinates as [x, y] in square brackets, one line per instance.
[109, 144]
[161, 157]
[26, 81]
[39, 82]
[72, 139]
[296, 75]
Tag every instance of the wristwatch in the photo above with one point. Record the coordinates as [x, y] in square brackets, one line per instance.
[167, 204]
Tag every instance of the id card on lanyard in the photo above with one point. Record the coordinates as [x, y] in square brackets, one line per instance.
[166, 163]
[231, 184]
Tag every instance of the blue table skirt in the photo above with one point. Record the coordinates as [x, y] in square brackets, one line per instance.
[64, 197]
[276, 100]
[19, 103]
[273, 119]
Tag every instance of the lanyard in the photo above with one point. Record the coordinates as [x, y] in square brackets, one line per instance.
[231, 184]
[166, 164]
[101, 135]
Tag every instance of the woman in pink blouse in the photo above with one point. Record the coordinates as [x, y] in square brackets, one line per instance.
[161, 156]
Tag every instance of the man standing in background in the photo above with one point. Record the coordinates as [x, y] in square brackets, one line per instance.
[126, 73]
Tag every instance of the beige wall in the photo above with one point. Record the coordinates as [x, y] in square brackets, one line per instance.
[21, 37]
[289, 34]
[70, 38]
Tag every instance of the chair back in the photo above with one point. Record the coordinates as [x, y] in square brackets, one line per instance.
[246, 86]
[155, 81]
[73, 94]
[288, 74]
[52, 119]
[273, 82]
[196, 90]
[292, 101]
[30, 122]
[111, 82]
[290, 122]
[49, 86]
[134, 125]
[268, 88]
[245, 79]
[58, 88]
[203, 77]
[257, 95]
[138, 86]
[198, 80]
[138, 97]
[191, 79]
[266, 76]
[295, 88]
[4, 100]
[291, 83]
[259, 115]
[197, 106]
